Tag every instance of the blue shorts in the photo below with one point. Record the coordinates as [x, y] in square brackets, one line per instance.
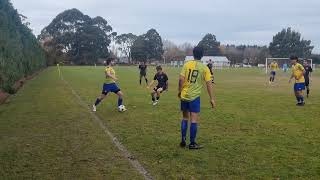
[110, 88]
[273, 73]
[299, 87]
[191, 106]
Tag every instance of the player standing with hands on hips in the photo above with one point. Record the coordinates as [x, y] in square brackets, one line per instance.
[298, 74]
[191, 79]
[143, 72]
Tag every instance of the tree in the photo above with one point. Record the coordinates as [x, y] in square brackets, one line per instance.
[289, 42]
[250, 54]
[154, 44]
[210, 45]
[83, 39]
[125, 42]
[148, 46]
[172, 52]
[187, 48]
[20, 52]
[139, 50]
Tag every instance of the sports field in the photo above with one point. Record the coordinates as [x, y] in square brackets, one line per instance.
[256, 131]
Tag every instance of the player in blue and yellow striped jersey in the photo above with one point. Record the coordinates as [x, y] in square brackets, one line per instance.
[298, 74]
[274, 67]
[190, 84]
[109, 86]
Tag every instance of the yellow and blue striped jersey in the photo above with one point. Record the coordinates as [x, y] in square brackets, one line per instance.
[111, 71]
[298, 73]
[274, 66]
[194, 72]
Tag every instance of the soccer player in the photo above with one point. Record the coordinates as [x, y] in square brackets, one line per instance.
[273, 66]
[143, 72]
[298, 74]
[285, 67]
[191, 79]
[210, 66]
[307, 75]
[109, 86]
[162, 86]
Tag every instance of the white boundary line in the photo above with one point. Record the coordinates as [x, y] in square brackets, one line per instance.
[134, 162]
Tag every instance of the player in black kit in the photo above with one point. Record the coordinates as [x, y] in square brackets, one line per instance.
[162, 79]
[210, 66]
[143, 72]
[307, 75]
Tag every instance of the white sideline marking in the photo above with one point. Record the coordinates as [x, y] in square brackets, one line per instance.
[134, 162]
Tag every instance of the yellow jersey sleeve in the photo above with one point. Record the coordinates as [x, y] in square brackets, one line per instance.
[184, 70]
[301, 67]
[207, 74]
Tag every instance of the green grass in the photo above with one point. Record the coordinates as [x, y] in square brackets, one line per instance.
[256, 132]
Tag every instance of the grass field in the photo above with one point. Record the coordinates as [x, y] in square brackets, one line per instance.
[256, 132]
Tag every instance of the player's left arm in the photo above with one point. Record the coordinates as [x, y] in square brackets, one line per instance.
[207, 78]
[303, 71]
[310, 72]
[167, 83]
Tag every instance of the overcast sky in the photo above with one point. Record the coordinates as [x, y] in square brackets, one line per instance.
[232, 21]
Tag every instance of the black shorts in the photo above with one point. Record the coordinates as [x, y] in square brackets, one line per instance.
[158, 87]
[143, 74]
[307, 82]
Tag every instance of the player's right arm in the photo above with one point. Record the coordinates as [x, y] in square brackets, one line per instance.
[152, 82]
[181, 79]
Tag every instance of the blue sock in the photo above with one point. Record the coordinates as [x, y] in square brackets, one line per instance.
[184, 128]
[193, 132]
[97, 102]
[298, 98]
[120, 101]
[301, 99]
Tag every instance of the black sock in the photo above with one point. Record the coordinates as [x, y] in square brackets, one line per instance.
[140, 81]
[97, 102]
[158, 97]
[146, 80]
[153, 99]
[270, 79]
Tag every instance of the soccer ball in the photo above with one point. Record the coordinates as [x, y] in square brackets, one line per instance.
[122, 108]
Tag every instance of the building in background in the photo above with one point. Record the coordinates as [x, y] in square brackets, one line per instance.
[217, 61]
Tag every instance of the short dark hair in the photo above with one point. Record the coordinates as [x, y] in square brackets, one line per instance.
[294, 57]
[108, 61]
[158, 68]
[198, 53]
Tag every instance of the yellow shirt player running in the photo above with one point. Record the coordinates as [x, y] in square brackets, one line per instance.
[298, 74]
[190, 85]
[274, 67]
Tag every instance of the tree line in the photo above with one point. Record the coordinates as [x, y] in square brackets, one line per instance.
[75, 38]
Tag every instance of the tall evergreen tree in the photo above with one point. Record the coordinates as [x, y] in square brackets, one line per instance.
[289, 42]
[210, 45]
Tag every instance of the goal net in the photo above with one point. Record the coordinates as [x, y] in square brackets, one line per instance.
[283, 63]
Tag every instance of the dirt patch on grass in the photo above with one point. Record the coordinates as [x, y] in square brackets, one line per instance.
[3, 96]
